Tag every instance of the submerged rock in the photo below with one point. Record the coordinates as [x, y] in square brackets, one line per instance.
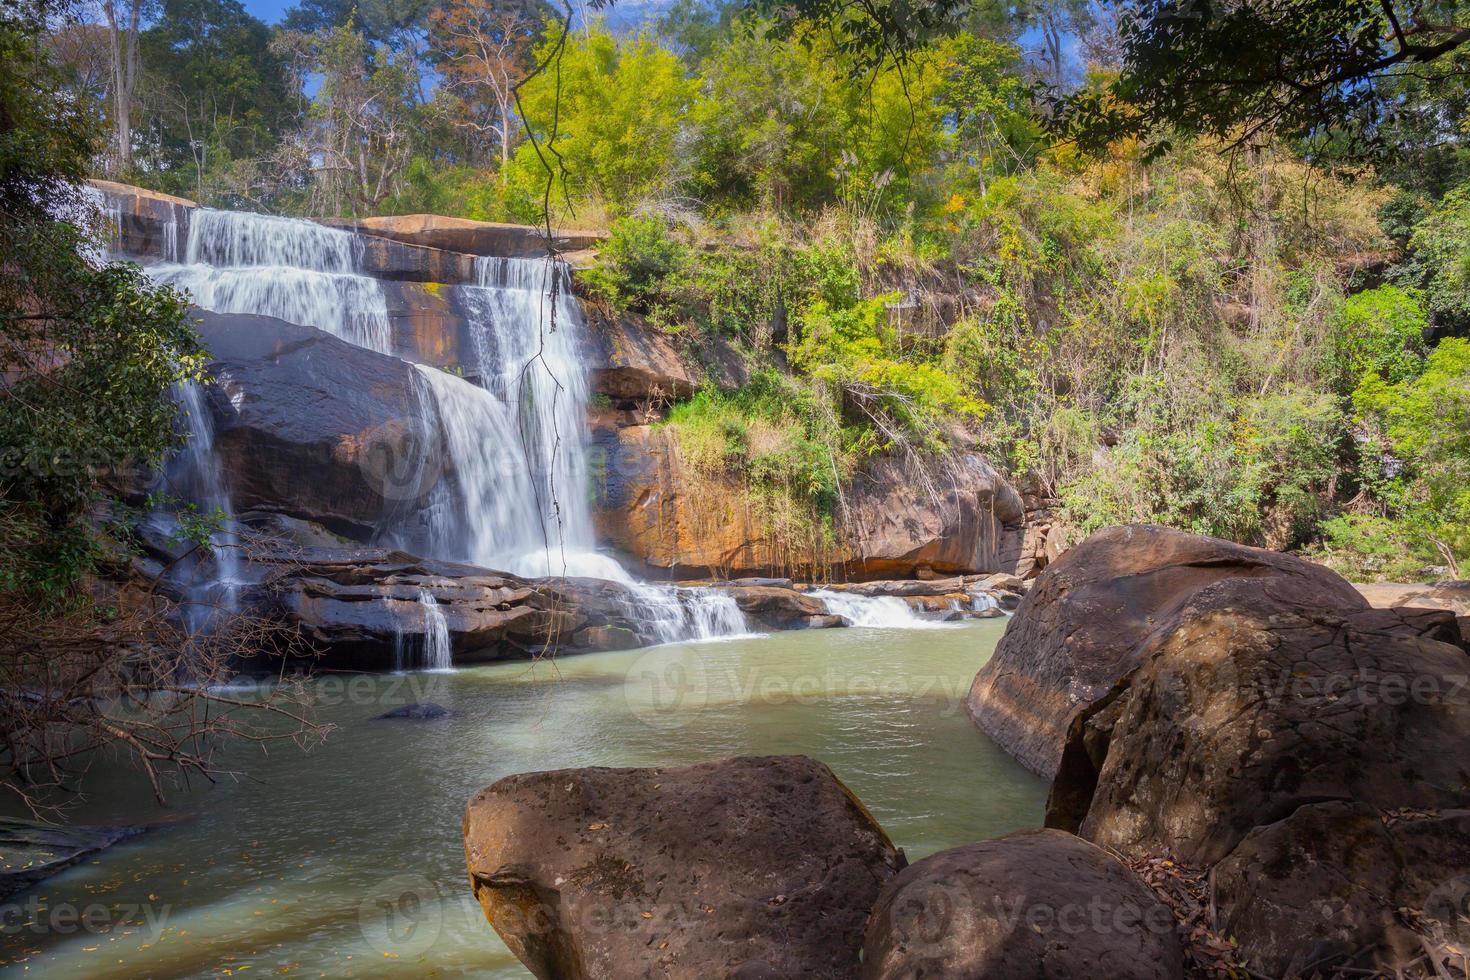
[747, 867]
[1079, 629]
[1035, 905]
[31, 852]
[419, 711]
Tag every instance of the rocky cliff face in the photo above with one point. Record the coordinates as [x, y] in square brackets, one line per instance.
[673, 523]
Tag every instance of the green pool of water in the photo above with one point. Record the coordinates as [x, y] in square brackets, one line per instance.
[347, 860]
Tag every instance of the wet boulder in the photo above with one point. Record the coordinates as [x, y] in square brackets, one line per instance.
[318, 429]
[775, 607]
[417, 711]
[1035, 905]
[367, 609]
[31, 852]
[1079, 629]
[746, 867]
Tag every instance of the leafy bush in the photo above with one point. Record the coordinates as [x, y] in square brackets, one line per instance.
[641, 265]
[1379, 331]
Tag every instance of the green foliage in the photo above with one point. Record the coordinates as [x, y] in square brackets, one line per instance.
[786, 124]
[1380, 331]
[605, 117]
[781, 439]
[89, 350]
[1371, 547]
[852, 350]
[216, 93]
[640, 264]
[1427, 422]
[1232, 72]
[1441, 248]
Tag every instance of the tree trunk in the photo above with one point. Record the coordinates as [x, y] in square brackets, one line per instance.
[504, 142]
[124, 49]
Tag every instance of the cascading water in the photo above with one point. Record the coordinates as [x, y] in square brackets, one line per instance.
[195, 475]
[885, 612]
[684, 613]
[518, 445]
[437, 654]
[286, 268]
[516, 498]
[982, 601]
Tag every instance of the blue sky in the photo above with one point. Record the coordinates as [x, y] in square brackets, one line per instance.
[269, 11]
[272, 11]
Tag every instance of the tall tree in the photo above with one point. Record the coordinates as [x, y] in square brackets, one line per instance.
[213, 88]
[124, 19]
[89, 352]
[485, 49]
[361, 127]
[1299, 69]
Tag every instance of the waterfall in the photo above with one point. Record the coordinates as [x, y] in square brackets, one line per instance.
[287, 268]
[437, 654]
[196, 475]
[884, 612]
[517, 441]
[981, 601]
[516, 493]
[670, 613]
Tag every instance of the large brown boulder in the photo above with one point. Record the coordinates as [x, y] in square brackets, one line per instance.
[1078, 632]
[673, 522]
[1250, 707]
[1329, 884]
[312, 427]
[747, 867]
[1035, 905]
[780, 607]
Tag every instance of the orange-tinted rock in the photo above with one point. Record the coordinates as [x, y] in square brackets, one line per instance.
[678, 524]
[635, 364]
[147, 224]
[464, 235]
